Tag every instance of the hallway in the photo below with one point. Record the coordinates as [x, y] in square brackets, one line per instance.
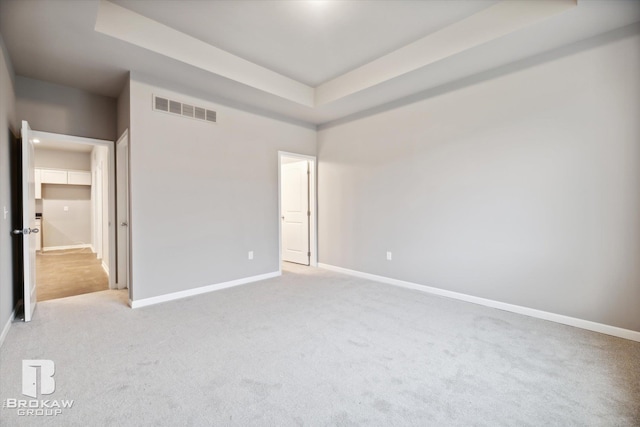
[61, 274]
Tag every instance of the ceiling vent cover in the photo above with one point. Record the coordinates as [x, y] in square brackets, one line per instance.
[178, 108]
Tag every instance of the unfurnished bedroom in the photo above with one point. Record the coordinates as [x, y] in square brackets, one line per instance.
[320, 213]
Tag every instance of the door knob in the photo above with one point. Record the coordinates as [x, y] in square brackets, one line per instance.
[124, 224]
[26, 231]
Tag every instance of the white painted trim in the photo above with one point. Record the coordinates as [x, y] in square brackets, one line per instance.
[105, 267]
[313, 199]
[61, 248]
[297, 155]
[7, 326]
[201, 290]
[532, 312]
[70, 138]
[113, 216]
[123, 143]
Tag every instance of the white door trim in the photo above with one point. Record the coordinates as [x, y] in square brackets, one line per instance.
[97, 206]
[126, 283]
[313, 220]
[72, 138]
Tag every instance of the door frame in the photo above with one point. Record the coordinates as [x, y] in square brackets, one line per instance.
[313, 218]
[112, 195]
[97, 194]
[124, 141]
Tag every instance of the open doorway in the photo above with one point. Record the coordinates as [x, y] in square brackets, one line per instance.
[74, 195]
[297, 209]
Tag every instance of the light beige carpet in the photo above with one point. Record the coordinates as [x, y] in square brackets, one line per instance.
[319, 348]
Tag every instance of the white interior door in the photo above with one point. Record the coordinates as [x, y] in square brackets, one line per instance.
[29, 231]
[295, 212]
[122, 201]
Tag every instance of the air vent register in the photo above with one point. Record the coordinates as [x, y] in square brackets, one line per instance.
[175, 107]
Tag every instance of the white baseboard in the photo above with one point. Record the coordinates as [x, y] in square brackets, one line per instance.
[532, 312]
[105, 267]
[62, 248]
[7, 326]
[201, 290]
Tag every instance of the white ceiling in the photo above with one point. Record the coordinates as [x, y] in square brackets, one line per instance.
[313, 61]
[308, 41]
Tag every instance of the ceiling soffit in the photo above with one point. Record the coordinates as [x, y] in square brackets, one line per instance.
[482, 27]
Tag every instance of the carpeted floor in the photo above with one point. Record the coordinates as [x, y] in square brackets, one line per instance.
[61, 274]
[318, 348]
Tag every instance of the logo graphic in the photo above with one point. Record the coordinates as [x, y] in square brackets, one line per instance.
[30, 377]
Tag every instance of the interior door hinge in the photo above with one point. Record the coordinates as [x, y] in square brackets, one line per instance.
[308, 213]
[308, 253]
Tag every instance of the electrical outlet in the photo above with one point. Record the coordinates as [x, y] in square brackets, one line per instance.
[250, 255]
[66, 208]
[388, 256]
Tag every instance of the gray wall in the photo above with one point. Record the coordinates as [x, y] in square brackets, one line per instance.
[61, 109]
[202, 194]
[7, 123]
[70, 227]
[59, 159]
[60, 227]
[524, 188]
